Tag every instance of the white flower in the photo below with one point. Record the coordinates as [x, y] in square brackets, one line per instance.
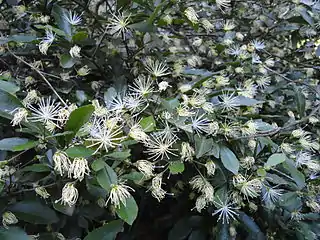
[46, 41]
[272, 195]
[228, 25]
[79, 167]
[142, 85]
[207, 25]
[61, 162]
[119, 24]
[191, 14]
[247, 162]
[145, 167]
[32, 97]
[200, 124]
[197, 99]
[211, 167]
[163, 86]
[159, 147]
[201, 185]
[105, 137]
[156, 190]
[249, 128]
[225, 211]
[263, 81]
[187, 152]
[297, 216]
[251, 188]
[156, 68]
[119, 194]
[137, 133]
[235, 50]
[69, 195]
[228, 102]
[8, 218]
[201, 203]
[298, 133]
[223, 4]
[42, 192]
[72, 18]
[255, 58]
[47, 111]
[303, 158]
[135, 103]
[258, 45]
[85, 70]
[20, 114]
[75, 51]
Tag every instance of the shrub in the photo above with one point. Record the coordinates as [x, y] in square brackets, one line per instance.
[160, 119]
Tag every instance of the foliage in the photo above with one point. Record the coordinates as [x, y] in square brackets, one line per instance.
[161, 119]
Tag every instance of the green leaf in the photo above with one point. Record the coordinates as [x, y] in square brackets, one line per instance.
[37, 167]
[79, 151]
[171, 104]
[249, 223]
[65, 209]
[106, 177]
[80, 36]
[136, 177]
[304, 13]
[176, 167]
[13, 233]
[58, 14]
[16, 144]
[120, 155]
[66, 61]
[275, 159]
[108, 231]
[2, 184]
[148, 124]
[300, 102]
[34, 212]
[297, 176]
[129, 212]
[229, 159]
[8, 103]
[97, 165]
[261, 172]
[197, 235]
[290, 201]
[202, 145]
[143, 26]
[18, 38]
[223, 232]
[9, 87]
[77, 119]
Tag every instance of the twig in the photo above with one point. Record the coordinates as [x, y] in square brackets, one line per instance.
[42, 76]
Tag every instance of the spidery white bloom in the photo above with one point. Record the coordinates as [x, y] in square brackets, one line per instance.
[201, 185]
[145, 167]
[238, 180]
[118, 24]
[187, 152]
[47, 111]
[20, 114]
[303, 158]
[258, 45]
[142, 85]
[272, 195]
[8, 218]
[207, 25]
[119, 193]
[200, 124]
[191, 14]
[197, 99]
[235, 50]
[84, 71]
[228, 25]
[251, 188]
[223, 4]
[105, 137]
[159, 146]
[247, 162]
[78, 168]
[72, 18]
[255, 58]
[69, 195]
[46, 41]
[32, 97]
[263, 81]
[297, 216]
[163, 86]
[211, 167]
[61, 162]
[225, 210]
[286, 147]
[228, 102]
[75, 51]
[249, 129]
[135, 103]
[185, 111]
[156, 189]
[201, 203]
[156, 68]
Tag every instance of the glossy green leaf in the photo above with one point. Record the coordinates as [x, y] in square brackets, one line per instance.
[223, 233]
[97, 165]
[148, 124]
[66, 61]
[229, 159]
[8, 103]
[34, 212]
[128, 212]
[275, 159]
[300, 102]
[65, 209]
[108, 231]
[16, 144]
[80, 36]
[59, 14]
[170, 104]
[79, 151]
[106, 177]
[297, 176]
[13, 233]
[202, 145]
[77, 119]
[120, 155]
[134, 176]
[176, 167]
[9, 87]
[37, 167]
